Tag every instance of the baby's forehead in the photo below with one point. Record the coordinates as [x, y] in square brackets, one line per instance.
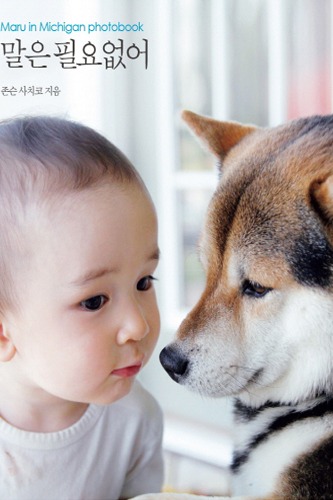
[106, 195]
[107, 225]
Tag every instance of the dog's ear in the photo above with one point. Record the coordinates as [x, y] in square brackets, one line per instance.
[218, 136]
[321, 192]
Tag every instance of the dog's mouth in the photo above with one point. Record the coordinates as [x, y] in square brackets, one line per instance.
[174, 363]
[221, 382]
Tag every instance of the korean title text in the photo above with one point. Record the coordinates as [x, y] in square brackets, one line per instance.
[71, 55]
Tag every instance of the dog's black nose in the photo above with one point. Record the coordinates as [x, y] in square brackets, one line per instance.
[174, 362]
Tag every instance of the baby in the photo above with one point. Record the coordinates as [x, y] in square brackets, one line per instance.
[79, 317]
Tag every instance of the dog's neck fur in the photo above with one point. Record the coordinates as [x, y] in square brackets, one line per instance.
[247, 412]
[258, 423]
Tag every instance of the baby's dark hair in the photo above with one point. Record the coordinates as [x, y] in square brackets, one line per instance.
[41, 157]
[61, 148]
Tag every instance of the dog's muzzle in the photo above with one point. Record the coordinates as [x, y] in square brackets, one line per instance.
[174, 362]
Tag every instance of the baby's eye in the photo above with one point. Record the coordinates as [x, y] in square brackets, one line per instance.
[145, 283]
[94, 303]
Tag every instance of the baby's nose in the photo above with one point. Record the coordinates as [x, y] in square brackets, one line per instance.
[134, 325]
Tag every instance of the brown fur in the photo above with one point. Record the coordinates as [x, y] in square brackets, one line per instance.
[267, 161]
[269, 222]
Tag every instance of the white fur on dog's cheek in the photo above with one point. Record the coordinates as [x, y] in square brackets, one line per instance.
[299, 346]
[289, 346]
[204, 374]
[223, 359]
[308, 334]
[214, 356]
[226, 359]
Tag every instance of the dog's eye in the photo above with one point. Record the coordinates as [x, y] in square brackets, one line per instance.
[255, 290]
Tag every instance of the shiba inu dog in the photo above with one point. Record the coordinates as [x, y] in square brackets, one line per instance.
[262, 330]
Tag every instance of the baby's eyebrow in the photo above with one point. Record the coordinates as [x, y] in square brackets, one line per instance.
[92, 275]
[102, 271]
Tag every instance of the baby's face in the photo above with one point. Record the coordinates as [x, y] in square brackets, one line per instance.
[87, 319]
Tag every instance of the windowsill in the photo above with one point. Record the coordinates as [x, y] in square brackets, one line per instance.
[205, 443]
[197, 457]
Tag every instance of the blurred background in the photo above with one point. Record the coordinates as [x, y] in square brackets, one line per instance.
[255, 61]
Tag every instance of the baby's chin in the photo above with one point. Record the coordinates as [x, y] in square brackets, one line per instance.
[121, 388]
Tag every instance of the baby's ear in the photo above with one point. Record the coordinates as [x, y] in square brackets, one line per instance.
[7, 348]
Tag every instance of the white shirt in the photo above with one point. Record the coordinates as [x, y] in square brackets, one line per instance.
[112, 452]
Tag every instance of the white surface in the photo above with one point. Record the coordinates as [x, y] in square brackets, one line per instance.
[202, 442]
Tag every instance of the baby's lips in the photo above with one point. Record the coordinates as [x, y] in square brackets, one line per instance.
[127, 371]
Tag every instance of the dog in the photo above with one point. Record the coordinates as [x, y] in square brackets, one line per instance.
[262, 331]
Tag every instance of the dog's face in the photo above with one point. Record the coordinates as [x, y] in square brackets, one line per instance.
[263, 327]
